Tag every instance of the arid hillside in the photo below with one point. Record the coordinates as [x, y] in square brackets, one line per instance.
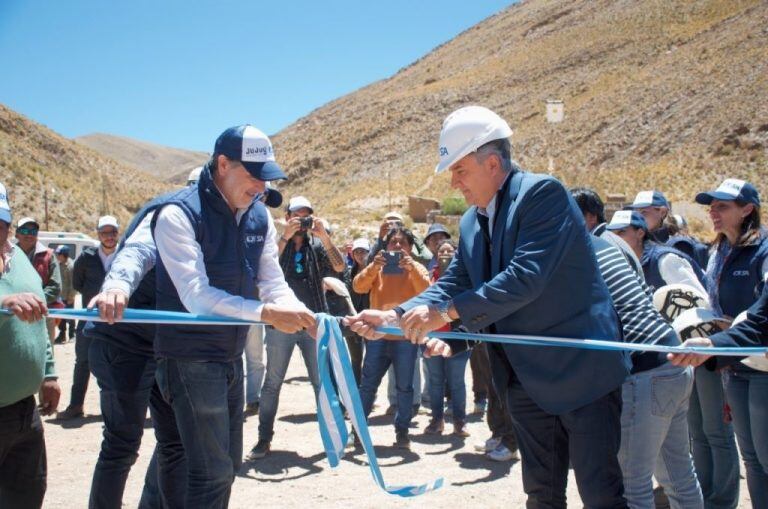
[81, 183]
[657, 93]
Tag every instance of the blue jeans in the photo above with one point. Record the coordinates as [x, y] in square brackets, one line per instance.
[279, 351]
[450, 370]
[747, 393]
[207, 401]
[81, 373]
[712, 442]
[379, 355]
[418, 391]
[125, 381]
[254, 363]
[654, 438]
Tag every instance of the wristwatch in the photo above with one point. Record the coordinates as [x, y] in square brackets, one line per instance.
[443, 308]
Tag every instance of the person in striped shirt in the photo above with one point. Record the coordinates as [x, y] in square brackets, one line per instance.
[654, 426]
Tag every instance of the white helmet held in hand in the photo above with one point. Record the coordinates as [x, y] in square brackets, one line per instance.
[672, 300]
[698, 323]
[467, 129]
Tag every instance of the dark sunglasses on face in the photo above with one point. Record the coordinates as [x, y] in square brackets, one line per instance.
[27, 231]
[108, 233]
[299, 267]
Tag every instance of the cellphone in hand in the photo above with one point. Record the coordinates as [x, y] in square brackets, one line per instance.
[393, 262]
[443, 262]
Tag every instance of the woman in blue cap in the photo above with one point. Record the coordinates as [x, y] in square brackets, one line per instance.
[738, 268]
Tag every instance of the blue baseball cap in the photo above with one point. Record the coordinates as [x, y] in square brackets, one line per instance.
[436, 228]
[62, 250]
[252, 148]
[625, 218]
[731, 190]
[648, 199]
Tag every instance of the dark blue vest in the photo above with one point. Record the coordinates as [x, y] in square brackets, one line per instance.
[134, 337]
[692, 247]
[652, 253]
[231, 254]
[740, 283]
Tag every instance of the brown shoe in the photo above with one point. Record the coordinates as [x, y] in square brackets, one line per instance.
[459, 429]
[71, 412]
[435, 427]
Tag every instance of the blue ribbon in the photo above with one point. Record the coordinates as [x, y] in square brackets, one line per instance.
[333, 360]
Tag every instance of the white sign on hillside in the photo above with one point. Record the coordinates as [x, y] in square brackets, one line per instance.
[555, 111]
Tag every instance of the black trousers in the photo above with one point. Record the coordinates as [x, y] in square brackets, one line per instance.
[588, 437]
[23, 464]
[498, 417]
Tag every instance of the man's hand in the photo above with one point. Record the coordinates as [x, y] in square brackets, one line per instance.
[27, 307]
[288, 319]
[379, 260]
[436, 348]
[406, 261]
[111, 304]
[691, 359]
[366, 322]
[50, 392]
[292, 227]
[420, 321]
[318, 228]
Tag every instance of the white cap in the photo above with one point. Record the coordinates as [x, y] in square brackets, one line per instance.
[361, 243]
[194, 175]
[393, 215]
[25, 220]
[5, 208]
[299, 202]
[107, 221]
[467, 129]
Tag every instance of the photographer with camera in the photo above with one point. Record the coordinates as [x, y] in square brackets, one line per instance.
[307, 255]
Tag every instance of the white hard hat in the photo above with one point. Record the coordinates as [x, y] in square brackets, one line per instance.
[758, 362]
[698, 323]
[194, 175]
[672, 300]
[467, 129]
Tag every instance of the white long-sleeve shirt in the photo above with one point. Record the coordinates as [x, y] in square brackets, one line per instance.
[183, 259]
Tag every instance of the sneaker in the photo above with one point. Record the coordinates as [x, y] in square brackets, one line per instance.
[259, 450]
[251, 409]
[391, 410]
[480, 407]
[489, 445]
[353, 441]
[501, 453]
[60, 339]
[460, 429]
[435, 427]
[401, 439]
[71, 412]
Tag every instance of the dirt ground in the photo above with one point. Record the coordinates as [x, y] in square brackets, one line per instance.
[296, 473]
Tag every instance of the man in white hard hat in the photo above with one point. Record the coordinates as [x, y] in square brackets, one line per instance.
[525, 265]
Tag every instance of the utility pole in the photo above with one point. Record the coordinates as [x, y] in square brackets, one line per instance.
[555, 114]
[45, 205]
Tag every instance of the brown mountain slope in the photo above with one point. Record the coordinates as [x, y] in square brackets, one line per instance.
[165, 163]
[33, 156]
[658, 93]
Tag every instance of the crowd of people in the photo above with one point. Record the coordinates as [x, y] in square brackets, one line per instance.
[529, 257]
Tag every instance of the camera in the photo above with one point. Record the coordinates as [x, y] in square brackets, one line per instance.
[306, 223]
[393, 262]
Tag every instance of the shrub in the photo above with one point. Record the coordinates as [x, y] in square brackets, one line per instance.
[454, 205]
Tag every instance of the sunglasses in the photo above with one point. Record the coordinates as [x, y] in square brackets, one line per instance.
[108, 233]
[299, 267]
[27, 231]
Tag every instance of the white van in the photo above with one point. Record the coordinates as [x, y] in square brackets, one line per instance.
[75, 241]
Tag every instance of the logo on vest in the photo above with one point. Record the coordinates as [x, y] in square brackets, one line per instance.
[252, 239]
[740, 273]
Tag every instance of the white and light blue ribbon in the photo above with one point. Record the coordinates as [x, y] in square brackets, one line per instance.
[333, 360]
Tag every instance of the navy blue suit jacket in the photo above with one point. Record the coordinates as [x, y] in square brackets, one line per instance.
[543, 279]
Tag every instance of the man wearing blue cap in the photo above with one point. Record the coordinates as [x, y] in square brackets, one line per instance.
[654, 207]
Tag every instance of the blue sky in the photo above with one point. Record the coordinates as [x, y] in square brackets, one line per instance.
[178, 72]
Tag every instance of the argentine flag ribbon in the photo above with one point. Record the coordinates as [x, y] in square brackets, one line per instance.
[333, 363]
